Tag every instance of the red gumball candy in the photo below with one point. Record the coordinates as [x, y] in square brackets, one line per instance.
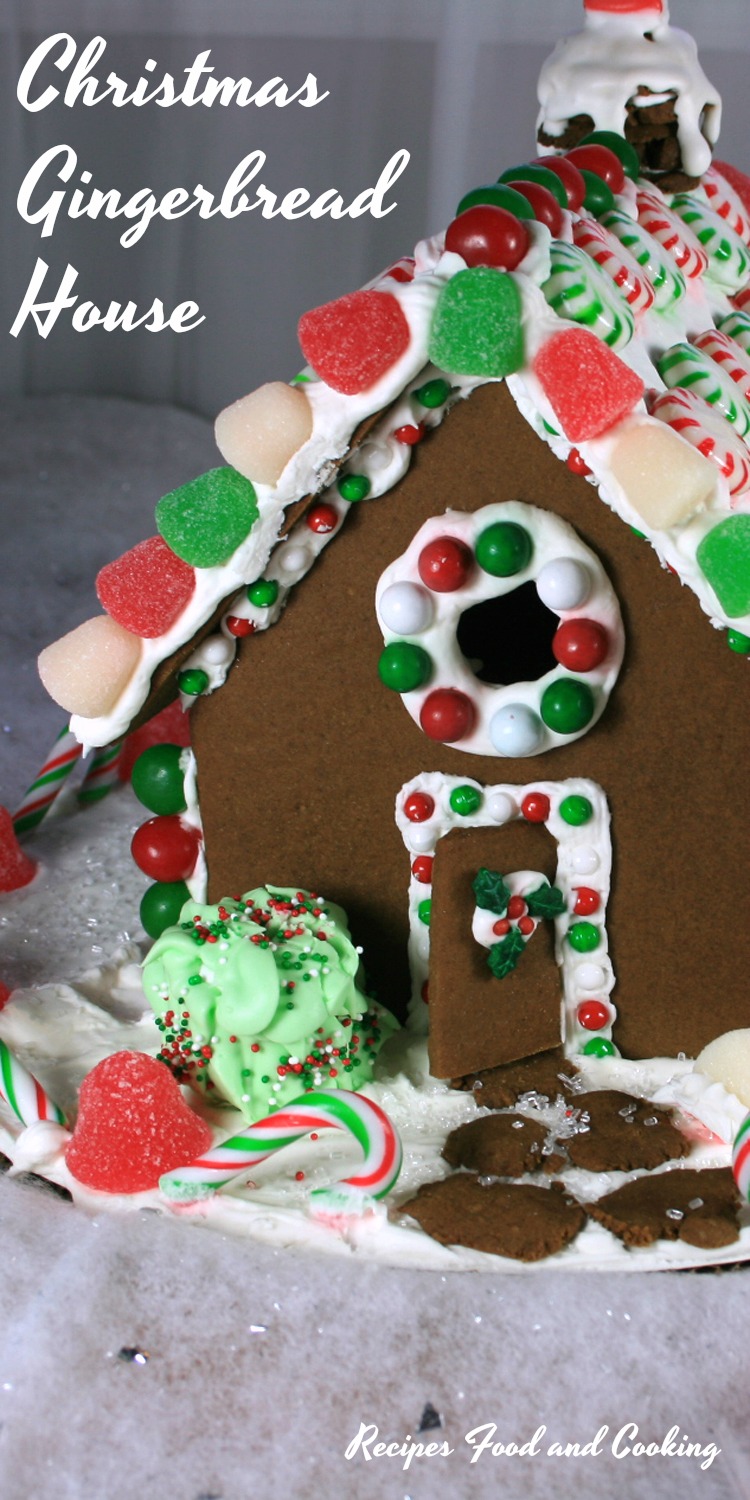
[601, 161]
[486, 235]
[587, 901]
[445, 564]
[535, 807]
[576, 464]
[570, 177]
[580, 645]
[410, 435]
[447, 715]
[592, 1015]
[239, 627]
[418, 807]
[422, 869]
[166, 848]
[322, 518]
[545, 205]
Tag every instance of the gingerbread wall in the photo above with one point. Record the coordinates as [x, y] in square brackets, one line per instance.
[302, 752]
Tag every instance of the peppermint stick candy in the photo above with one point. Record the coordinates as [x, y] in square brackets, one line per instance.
[609, 253]
[741, 1159]
[656, 218]
[728, 255]
[726, 203]
[101, 774]
[695, 420]
[23, 1094]
[47, 784]
[364, 1120]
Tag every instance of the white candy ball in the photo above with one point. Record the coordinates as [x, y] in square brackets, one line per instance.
[585, 860]
[727, 1061]
[563, 584]
[501, 807]
[516, 730]
[590, 976]
[406, 608]
[420, 839]
[217, 650]
[294, 559]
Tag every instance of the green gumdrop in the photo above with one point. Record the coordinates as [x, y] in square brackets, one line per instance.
[599, 197]
[205, 521]
[576, 811]
[621, 148]
[504, 548]
[499, 195]
[567, 705]
[724, 558]
[528, 172]
[476, 329]
[161, 906]
[404, 666]
[159, 780]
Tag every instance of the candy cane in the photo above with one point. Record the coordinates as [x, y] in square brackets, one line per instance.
[671, 233]
[608, 253]
[737, 325]
[667, 281]
[101, 774]
[577, 289]
[724, 351]
[728, 257]
[690, 416]
[23, 1094]
[741, 1159]
[366, 1121]
[47, 784]
[726, 203]
[690, 368]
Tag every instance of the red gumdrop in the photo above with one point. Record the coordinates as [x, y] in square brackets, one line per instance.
[447, 715]
[580, 645]
[535, 807]
[587, 385]
[5, 994]
[353, 342]
[486, 235]
[445, 564]
[418, 807]
[133, 1125]
[601, 161]
[16, 867]
[169, 727]
[570, 177]
[147, 588]
[736, 179]
[166, 848]
[545, 205]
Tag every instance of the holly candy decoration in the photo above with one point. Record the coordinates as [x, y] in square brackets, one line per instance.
[360, 1118]
[488, 236]
[133, 1125]
[353, 342]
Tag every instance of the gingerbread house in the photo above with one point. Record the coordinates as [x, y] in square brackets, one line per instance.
[475, 590]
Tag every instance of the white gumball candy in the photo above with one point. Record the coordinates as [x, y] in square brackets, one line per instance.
[590, 976]
[501, 807]
[727, 1060]
[218, 651]
[87, 670]
[406, 609]
[259, 434]
[563, 584]
[585, 860]
[516, 730]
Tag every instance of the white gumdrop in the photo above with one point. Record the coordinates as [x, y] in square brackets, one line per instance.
[406, 608]
[664, 479]
[259, 434]
[727, 1060]
[87, 670]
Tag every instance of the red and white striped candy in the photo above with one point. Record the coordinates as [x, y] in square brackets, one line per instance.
[741, 1159]
[695, 420]
[402, 270]
[726, 203]
[316, 1110]
[101, 773]
[607, 251]
[48, 782]
[742, 300]
[671, 233]
[725, 352]
[737, 325]
[23, 1094]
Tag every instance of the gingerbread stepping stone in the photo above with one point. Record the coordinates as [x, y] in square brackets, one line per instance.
[700, 1208]
[622, 1134]
[500, 1146]
[511, 1219]
[501, 1088]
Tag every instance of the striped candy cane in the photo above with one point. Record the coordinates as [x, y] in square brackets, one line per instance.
[671, 233]
[690, 416]
[610, 254]
[726, 203]
[691, 369]
[741, 1159]
[737, 326]
[578, 290]
[723, 350]
[48, 783]
[728, 257]
[101, 773]
[23, 1094]
[364, 1120]
[667, 282]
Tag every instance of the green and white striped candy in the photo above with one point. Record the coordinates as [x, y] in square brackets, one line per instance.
[728, 255]
[666, 278]
[690, 368]
[737, 325]
[580, 291]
